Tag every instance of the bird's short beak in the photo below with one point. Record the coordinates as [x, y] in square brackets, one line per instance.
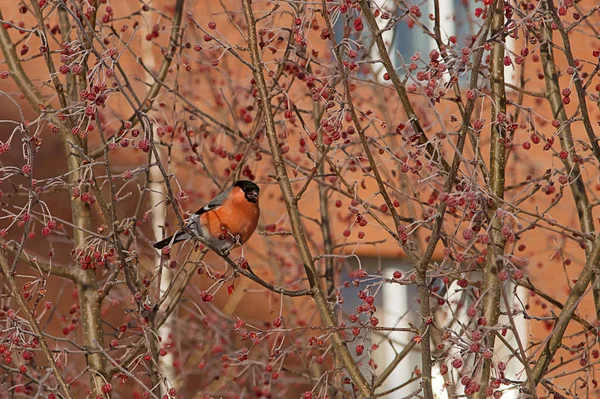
[254, 195]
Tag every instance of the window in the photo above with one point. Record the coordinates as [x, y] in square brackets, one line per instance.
[407, 38]
[397, 306]
[460, 301]
[455, 20]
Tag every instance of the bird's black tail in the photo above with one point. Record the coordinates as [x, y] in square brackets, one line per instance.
[179, 236]
[163, 243]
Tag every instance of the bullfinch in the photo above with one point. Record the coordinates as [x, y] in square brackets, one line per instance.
[229, 219]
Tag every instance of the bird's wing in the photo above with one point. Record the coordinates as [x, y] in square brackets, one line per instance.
[215, 203]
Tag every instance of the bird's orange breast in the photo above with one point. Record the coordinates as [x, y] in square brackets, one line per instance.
[236, 216]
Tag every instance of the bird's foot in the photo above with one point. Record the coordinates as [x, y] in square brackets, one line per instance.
[225, 252]
[238, 239]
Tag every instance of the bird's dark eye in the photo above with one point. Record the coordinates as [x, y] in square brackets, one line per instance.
[252, 195]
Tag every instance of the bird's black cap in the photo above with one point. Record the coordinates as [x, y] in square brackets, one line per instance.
[247, 185]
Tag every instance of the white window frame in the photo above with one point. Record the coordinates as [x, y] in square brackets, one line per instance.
[396, 305]
[387, 37]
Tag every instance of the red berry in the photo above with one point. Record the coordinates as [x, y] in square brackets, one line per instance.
[361, 273]
[359, 349]
[415, 10]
